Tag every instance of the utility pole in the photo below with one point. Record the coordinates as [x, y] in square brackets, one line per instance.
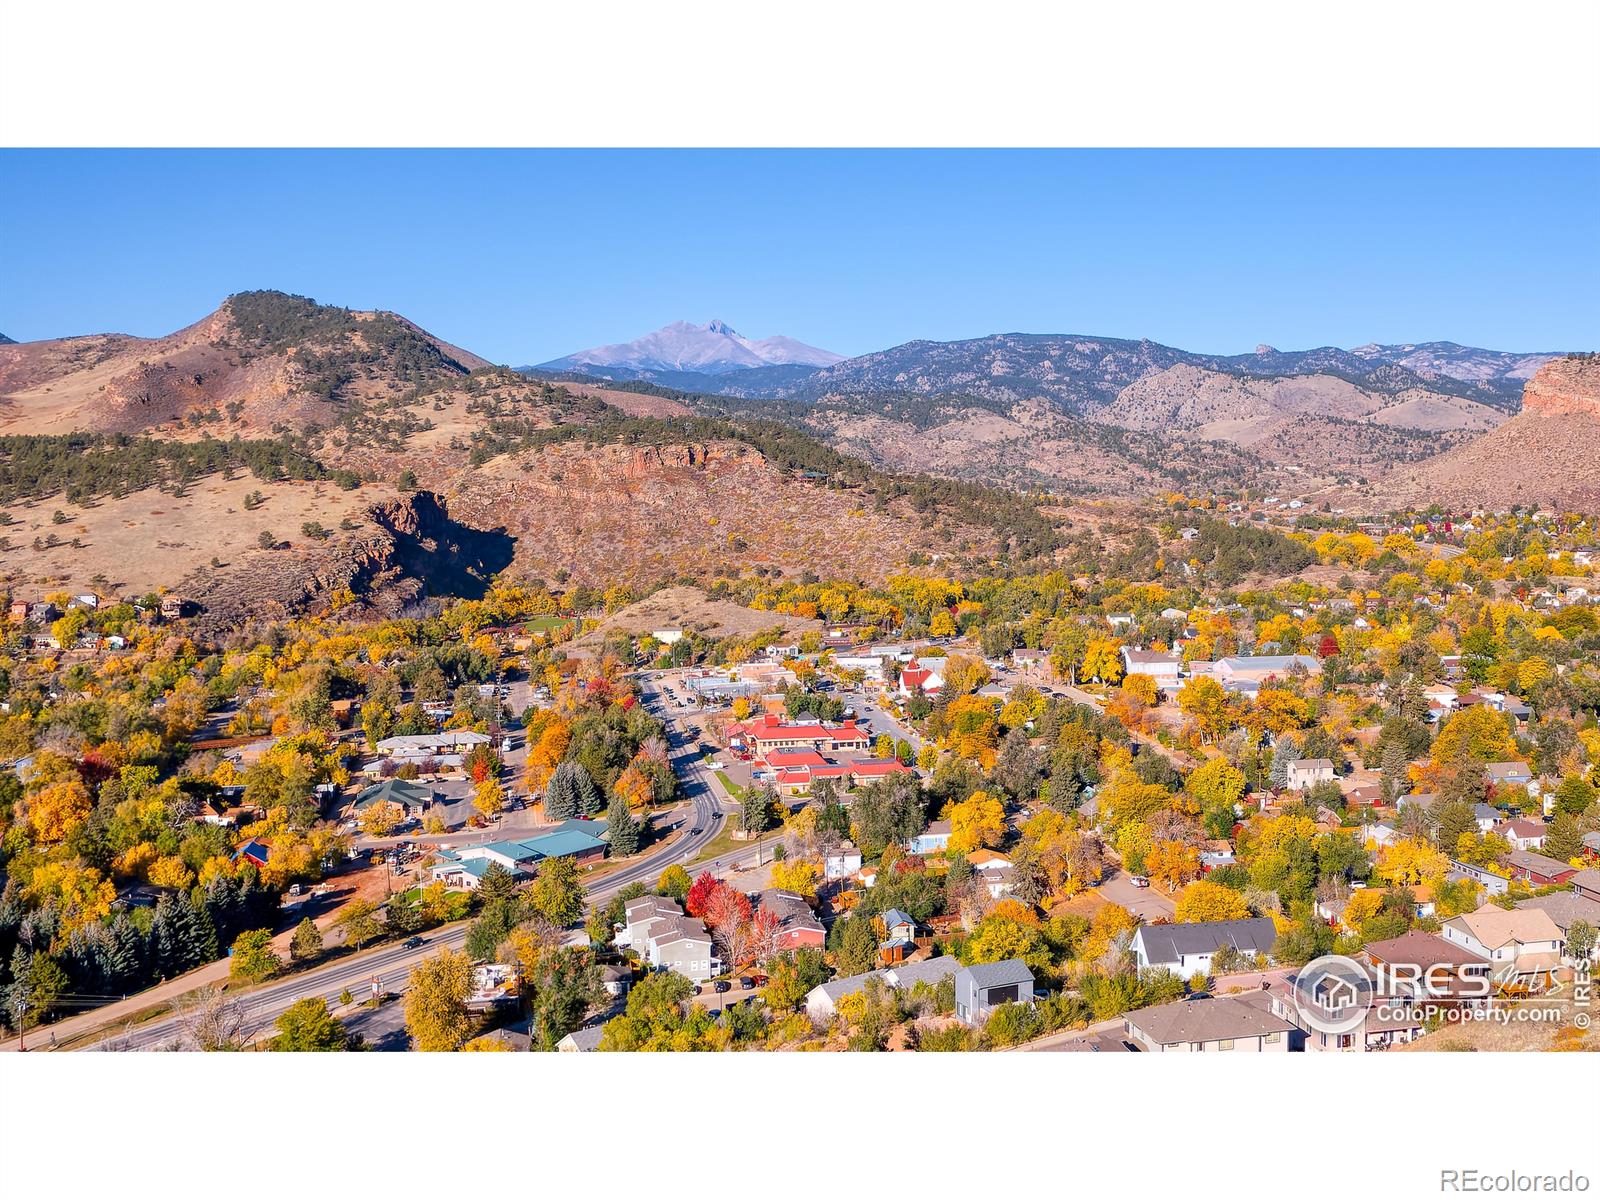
[20, 998]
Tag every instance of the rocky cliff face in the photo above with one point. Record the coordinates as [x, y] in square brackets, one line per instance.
[1549, 453]
[418, 551]
[1567, 385]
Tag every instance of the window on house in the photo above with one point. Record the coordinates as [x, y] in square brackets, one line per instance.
[1227, 1043]
[1274, 1037]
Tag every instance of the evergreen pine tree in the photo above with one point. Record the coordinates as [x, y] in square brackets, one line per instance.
[756, 812]
[1395, 763]
[561, 793]
[621, 828]
[590, 798]
[1564, 839]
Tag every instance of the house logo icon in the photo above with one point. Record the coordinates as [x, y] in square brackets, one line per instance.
[1333, 994]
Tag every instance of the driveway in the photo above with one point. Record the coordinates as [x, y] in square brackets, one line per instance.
[1145, 903]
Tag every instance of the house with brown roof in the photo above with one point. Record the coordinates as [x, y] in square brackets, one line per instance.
[1586, 883]
[1538, 870]
[1524, 943]
[1427, 966]
[1251, 1022]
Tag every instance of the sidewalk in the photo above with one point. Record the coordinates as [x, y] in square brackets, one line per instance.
[213, 974]
[66, 1030]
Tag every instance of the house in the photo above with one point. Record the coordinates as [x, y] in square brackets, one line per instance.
[983, 987]
[1258, 668]
[582, 847]
[581, 1041]
[466, 875]
[1188, 948]
[1119, 621]
[683, 944]
[1163, 668]
[932, 840]
[841, 862]
[1250, 1023]
[656, 928]
[822, 1001]
[413, 747]
[1487, 816]
[1538, 870]
[412, 798]
[1307, 772]
[1586, 883]
[994, 871]
[1491, 881]
[1564, 908]
[253, 851]
[1427, 966]
[1524, 942]
[769, 732]
[797, 924]
[900, 935]
[1509, 774]
[914, 678]
[640, 915]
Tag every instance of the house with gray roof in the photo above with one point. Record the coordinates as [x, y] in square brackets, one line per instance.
[1186, 948]
[983, 987]
[822, 1001]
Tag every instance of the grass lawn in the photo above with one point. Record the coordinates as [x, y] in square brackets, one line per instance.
[734, 789]
[720, 845]
[545, 623]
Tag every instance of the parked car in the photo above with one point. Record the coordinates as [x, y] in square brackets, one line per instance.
[722, 985]
[1139, 881]
[746, 982]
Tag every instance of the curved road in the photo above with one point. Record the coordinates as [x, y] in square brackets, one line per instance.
[392, 964]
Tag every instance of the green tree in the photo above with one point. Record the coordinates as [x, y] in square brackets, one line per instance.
[308, 1026]
[359, 921]
[756, 813]
[857, 949]
[1580, 940]
[557, 893]
[565, 988]
[307, 941]
[674, 882]
[790, 977]
[252, 957]
[622, 829]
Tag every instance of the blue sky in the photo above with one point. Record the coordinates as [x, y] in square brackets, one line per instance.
[526, 255]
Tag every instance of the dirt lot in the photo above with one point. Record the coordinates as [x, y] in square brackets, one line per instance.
[688, 608]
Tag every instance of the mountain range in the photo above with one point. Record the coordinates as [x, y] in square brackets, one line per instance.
[1065, 413]
[685, 351]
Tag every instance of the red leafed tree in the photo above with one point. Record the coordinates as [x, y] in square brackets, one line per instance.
[1328, 647]
[699, 892]
[725, 906]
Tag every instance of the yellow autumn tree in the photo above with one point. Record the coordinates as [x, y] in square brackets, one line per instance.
[978, 821]
[1410, 861]
[799, 876]
[56, 810]
[1203, 900]
[78, 893]
[1172, 864]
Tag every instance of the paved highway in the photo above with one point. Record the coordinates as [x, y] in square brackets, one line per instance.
[392, 964]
